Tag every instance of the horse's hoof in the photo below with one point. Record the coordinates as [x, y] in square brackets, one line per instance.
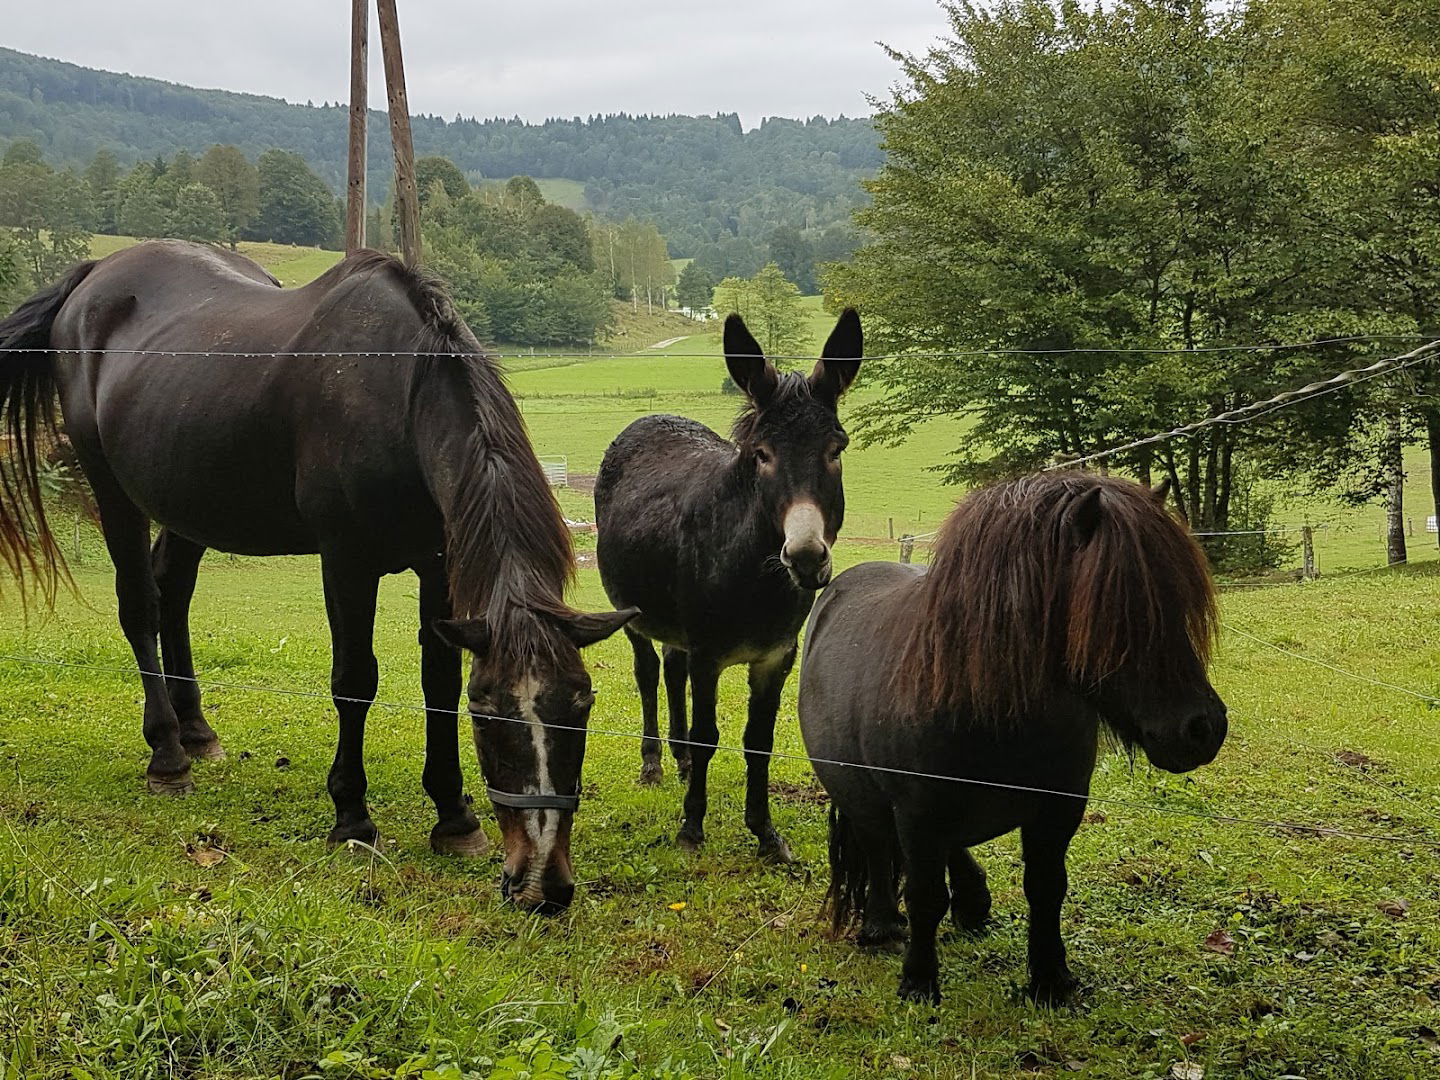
[651, 773]
[469, 845]
[972, 921]
[1054, 989]
[682, 769]
[358, 837]
[689, 841]
[888, 938]
[180, 784]
[206, 751]
[921, 990]
[775, 850]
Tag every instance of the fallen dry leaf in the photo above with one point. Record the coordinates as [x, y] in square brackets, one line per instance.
[1094, 817]
[1192, 1038]
[204, 856]
[1187, 1070]
[1221, 942]
[1396, 909]
[1353, 758]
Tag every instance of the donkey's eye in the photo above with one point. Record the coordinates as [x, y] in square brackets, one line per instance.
[763, 456]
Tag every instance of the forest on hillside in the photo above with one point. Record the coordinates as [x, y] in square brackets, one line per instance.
[716, 191]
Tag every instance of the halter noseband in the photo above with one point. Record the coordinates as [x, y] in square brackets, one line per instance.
[533, 802]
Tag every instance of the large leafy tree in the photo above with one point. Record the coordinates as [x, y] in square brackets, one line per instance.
[295, 205]
[227, 172]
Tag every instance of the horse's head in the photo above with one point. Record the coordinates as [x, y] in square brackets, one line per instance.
[1141, 617]
[790, 440]
[529, 708]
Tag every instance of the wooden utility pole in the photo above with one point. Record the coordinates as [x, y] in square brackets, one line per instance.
[407, 197]
[359, 116]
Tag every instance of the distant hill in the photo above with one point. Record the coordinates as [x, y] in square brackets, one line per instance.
[706, 182]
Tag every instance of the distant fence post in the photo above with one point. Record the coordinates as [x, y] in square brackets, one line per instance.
[1307, 539]
[891, 527]
[907, 547]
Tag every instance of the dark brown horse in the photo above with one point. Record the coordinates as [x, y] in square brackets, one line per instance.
[1056, 605]
[315, 444]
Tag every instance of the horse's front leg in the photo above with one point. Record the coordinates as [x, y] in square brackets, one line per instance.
[175, 562]
[647, 681]
[457, 831]
[704, 734]
[354, 676]
[926, 901]
[767, 680]
[1043, 844]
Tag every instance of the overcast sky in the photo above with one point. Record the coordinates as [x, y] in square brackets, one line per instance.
[532, 59]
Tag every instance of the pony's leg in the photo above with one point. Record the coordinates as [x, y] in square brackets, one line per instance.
[926, 900]
[677, 673]
[175, 562]
[1043, 845]
[767, 680]
[354, 675]
[882, 926]
[704, 734]
[969, 894]
[457, 830]
[647, 680]
[127, 537]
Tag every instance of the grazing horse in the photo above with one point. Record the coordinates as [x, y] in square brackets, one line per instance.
[723, 545]
[1056, 605]
[362, 424]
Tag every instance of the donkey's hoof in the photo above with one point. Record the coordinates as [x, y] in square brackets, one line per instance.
[206, 751]
[469, 845]
[921, 989]
[682, 769]
[360, 836]
[689, 839]
[651, 773]
[773, 849]
[180, 784]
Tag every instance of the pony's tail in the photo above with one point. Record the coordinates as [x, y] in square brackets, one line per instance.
[28, 548]
[849, 873]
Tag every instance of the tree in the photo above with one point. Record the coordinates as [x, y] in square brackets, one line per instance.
[48, 212]
[435, 169]
[694, 287]
[776, 317]
[295, 206]
[560, 236]
[197, 215]
[103, 176]
[227, 172]
[792, 253]
[139, 209]
[23, 152]
[523, 195]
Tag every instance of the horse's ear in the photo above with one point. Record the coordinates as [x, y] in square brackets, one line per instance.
[1084, 515]
[1160, 492]
[746, 360]
[472, 634]
[840, 359]
[586, 629]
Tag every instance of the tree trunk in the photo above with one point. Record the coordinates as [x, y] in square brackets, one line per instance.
[1395, 493]
[1222, 511]
[1192, 485]
[1432, 432]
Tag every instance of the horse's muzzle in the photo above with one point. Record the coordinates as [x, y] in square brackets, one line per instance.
[547, 896]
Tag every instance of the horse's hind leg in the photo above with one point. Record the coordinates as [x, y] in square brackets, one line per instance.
[647, 681]
[767, 680]
[175, 562]
[457, 831]
[677, 673]
[969, 894]
[354, 676]
[127, 537]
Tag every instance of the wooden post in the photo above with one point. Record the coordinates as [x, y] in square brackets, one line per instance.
[1307, 539]
[407, 197]
[359, 116]
[907, 547]
[890, 524]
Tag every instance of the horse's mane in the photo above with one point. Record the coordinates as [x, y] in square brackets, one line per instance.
[507, 548]
[1017, 602]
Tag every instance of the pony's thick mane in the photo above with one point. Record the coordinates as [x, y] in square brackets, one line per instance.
[1018, 601]
[507, 548]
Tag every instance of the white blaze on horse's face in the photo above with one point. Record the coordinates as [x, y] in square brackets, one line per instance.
[806, 551]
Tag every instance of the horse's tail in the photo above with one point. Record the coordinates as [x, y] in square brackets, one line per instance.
[849, 873]
[28, 548]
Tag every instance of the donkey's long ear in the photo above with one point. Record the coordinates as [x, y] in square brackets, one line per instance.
[840, 359]
[472, 634]
[746, 360]
[585, 629]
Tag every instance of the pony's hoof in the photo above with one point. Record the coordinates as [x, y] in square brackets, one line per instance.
[651, 773]
[180, 784]
[884, 938]
[206, 751]
[1054, 989]
[971, 920]
[921, 990]
[773, 849]
[357, 837]
[682, 769]
[469, 845]
[687, 840]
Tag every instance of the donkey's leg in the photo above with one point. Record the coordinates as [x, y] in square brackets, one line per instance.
[1043, 845]
[926, 900]
[175, 561]
[127, 536]
[767, 680]
[354, 675]
[677, 673]
[457, 830]
[704, 734]
[969, 894]
[882, 925]
[647, 680]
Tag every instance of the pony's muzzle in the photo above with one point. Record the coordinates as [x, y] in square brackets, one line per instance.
[1194, 743]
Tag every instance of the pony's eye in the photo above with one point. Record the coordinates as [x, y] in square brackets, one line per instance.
[584, 701]
[763, 456]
